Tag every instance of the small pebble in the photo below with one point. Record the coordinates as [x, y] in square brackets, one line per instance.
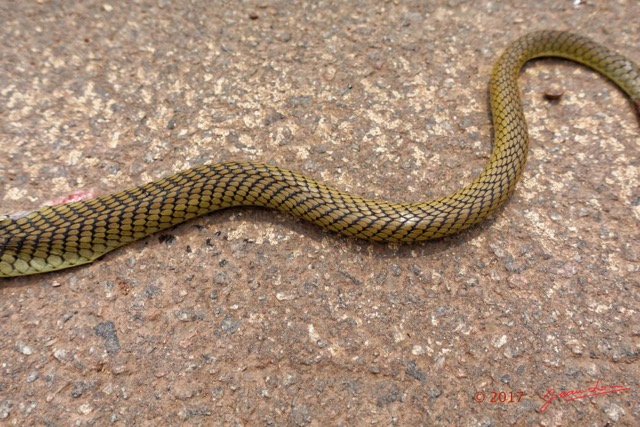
[24, 348]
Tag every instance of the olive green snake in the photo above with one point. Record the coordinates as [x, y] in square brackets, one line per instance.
[67, 235]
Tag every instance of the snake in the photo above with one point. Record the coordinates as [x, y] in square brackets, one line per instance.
[71, 234]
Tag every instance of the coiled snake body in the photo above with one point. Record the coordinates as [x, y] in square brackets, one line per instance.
[62, 236]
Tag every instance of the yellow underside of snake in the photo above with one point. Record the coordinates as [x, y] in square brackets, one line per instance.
[67, 235]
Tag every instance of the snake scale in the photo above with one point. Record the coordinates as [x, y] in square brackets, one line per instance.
[67, 235]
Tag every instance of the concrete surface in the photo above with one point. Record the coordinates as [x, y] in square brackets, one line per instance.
[247, 317]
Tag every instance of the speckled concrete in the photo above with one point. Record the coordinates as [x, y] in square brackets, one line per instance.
[247, 317]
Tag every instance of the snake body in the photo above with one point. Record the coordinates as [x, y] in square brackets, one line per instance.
[67, 235]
